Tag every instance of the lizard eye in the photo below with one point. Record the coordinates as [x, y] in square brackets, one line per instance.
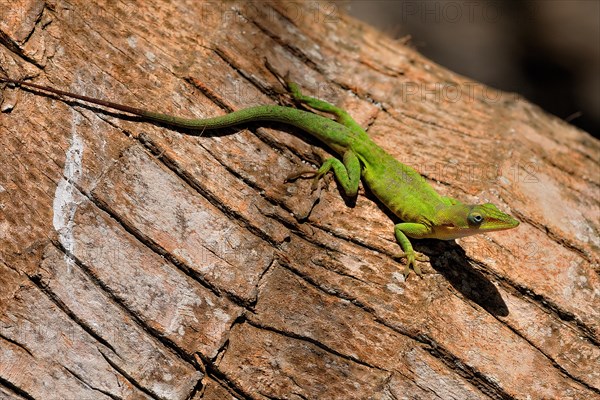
[475, 218]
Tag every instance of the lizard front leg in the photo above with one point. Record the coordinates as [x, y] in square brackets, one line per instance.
[414, 230]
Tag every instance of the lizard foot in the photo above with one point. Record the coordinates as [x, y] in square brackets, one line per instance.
[411, 257]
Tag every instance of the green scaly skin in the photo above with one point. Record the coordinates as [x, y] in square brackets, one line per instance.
[425, 213]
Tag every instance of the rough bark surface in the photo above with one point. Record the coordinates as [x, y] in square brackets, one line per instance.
[139, 261]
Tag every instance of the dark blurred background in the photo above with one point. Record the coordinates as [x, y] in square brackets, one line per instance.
[548, 50]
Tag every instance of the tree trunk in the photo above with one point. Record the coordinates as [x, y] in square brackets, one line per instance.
[141, 261]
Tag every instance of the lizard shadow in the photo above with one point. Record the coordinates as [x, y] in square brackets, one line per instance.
[456, 269]
[463, 277]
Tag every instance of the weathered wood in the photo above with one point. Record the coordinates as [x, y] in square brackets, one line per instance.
[139, 261]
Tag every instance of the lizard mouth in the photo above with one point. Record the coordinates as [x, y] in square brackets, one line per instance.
[451, 232]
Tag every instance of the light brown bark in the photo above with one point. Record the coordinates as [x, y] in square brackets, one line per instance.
[139, 261]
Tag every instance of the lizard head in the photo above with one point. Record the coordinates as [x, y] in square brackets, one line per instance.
[460, 220]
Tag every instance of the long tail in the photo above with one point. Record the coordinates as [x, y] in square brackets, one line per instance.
[322, 128]
[120, 107]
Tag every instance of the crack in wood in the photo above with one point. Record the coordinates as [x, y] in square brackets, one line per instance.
[209, 94]
[555, 237]
[129, 378]
[220, 377]
[36, 280]
[482, 382]
[14, 388]
[16, 343]
[328, 291]
[156, 248]
[471, 374]
[310, 340]
[16, 49]
[294, 50]
[86, 384]
[193, 183]
[152, 332]
[339, 272]
[428, 123]
[257, 84]
[568, 184]
[541, 301]
[552, 361]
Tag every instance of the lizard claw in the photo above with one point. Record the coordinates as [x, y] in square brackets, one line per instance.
[421, 257]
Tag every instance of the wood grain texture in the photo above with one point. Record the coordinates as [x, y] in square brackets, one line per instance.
[139, 261]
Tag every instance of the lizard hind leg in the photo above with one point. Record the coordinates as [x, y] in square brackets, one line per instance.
[347, 173]
[340, 114]
[313, 102]
[313, 174]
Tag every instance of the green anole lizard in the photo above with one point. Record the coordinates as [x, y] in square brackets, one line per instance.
[425, 214]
